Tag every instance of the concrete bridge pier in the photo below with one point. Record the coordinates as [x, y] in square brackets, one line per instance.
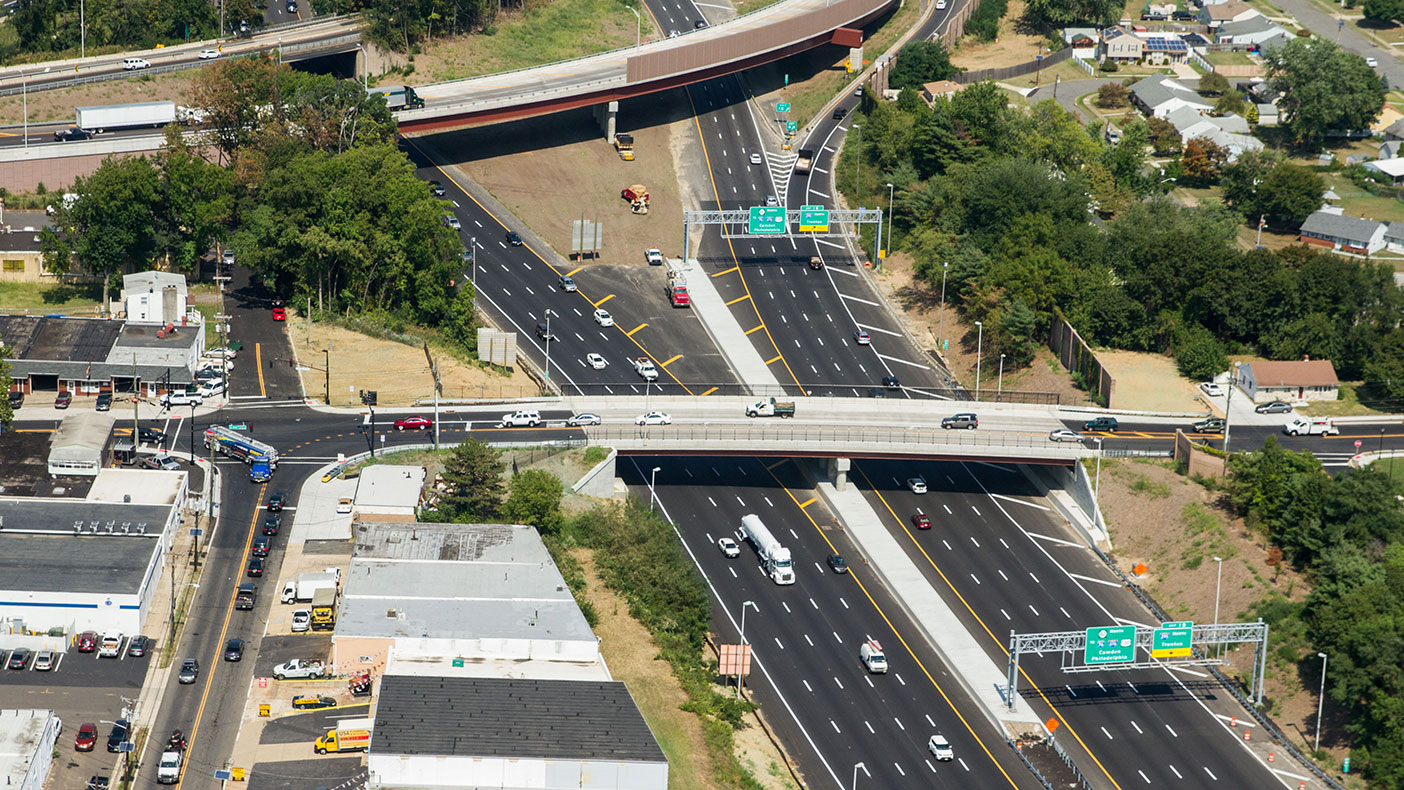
[838, 470]
[606, 116]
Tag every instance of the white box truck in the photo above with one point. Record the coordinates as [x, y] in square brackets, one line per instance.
[303, 588]
[775, 558]
[125, 116]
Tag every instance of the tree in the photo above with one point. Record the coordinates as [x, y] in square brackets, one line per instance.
[1323, 87]
[473, 480]
[1112, 95]
[1164, 137]
[1061, 13]
[111, 227]
[1213, 84]
[1202, 160]
[7, 413]
[536, 500]
[1199, 354]
[1290, 193]
[922, 62]
[1384, 11]
[1384, 373]
[1241, 179]
[1230, 102]
[1127, 159]
[1048, 133]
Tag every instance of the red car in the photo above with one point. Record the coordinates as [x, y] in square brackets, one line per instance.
[87, 642]
[414, 424]
[87, 737]
[280, 314]
[920, 520]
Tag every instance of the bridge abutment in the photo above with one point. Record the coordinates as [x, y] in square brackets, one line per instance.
[606, 115]
[838, 470]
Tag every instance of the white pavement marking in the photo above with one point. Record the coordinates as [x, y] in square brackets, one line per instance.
[857, 299]
[1095, 581]
[902, 361]
[1052, 539]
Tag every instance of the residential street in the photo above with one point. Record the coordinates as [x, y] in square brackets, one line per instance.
[1324, 25]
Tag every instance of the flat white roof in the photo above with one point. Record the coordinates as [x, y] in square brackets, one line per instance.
[144, 486]
[20, 733]
[390, 489]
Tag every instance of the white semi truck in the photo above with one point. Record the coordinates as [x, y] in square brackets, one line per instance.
[125, 116]
[775, 558]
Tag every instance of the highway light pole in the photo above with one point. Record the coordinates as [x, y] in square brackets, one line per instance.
[365, 66]
[941, 331]
[979, 348]
[1218, 583]
[1320, 699]
[889, 217]
[1097, 484]
[473, 257]
[858, 155]
[653, 497]
[739, 675]
[24, 91]
[638, 27]
[547, 341]
[856, 766]
[82, 30]
[1000, 389]
[326, 368]
[1228, 405]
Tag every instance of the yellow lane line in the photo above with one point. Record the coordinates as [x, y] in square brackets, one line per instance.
[572, 272]
[773, 359]
[740, 299]
[258, 360]
[602, 301]
[728, 271]
[806, 503]
[709, 392]
[671, 361]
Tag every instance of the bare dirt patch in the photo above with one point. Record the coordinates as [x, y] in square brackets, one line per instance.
[1015, 44]
[59, 105]
[919, 307]
[553, 170]
[398, 372]
[1149, 382]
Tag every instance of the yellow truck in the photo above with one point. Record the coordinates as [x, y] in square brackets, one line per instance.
[324, 609]
[343, 740]
[624, 144]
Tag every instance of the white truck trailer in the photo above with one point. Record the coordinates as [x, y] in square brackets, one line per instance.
[125, 116]
[775, 558]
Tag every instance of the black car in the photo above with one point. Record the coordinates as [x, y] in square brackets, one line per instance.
[699, 24]
[104, 401]
[66, 135]
[255, 566]
[98, 783]
[271, 525]
[514, 238]
[118, 736]
[151, 436]
[18, 659]
[891, 382]
[276, 501]
[138, 646]
[838, 563]
[436, 189]
[1276, 407]
[260, 546]
[16, 399]
[839, 112]
[234, 650]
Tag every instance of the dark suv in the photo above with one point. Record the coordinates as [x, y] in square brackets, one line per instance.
[1210, 425]
[966, 420]
[1107, 424]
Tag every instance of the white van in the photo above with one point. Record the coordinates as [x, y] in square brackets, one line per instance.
[132, 64]
[873, 658]
[110, 646]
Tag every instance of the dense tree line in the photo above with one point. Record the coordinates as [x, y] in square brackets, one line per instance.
[401, 25]
[312, 194]
[1347, 534]
[1008, 199]
[45, 26]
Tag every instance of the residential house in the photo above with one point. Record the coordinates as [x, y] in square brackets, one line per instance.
[1230, 131]
[1342, 233]
[1394, 168]
[943, 88]
[1157, 12]
[1082, 40]
[20, 260]
[1267, 114]
[1162, 94]
[1248, 32]
[1265, 381]
[1394, 236]
[1164, 50]
[1120, 46]
[1223, 13]
[1395, 131]
[156, 298]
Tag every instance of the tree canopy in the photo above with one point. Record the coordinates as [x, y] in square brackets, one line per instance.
[1323, 88]
[1061, 13]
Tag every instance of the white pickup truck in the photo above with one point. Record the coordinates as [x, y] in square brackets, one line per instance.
[1308, 426]
[168, 770]
[644, 367]
[300, 668]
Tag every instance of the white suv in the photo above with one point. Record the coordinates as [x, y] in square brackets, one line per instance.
[181, 398]
[525, 417]
[132, 64]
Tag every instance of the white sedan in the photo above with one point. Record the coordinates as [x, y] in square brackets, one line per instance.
[654, 418]
[596, 361]
[729, 547]
[756, 159]
[1212, 389]
[584, 418]
[603, 318]
[209, 54]
[917, 484]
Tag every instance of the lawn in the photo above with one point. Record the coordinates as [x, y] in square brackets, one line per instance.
[1356, 202]
[1347, 405]
[544, 33]
[50, 298]
[1229, 58]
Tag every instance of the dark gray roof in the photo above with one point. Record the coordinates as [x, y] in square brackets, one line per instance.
[1338, 226]
[492, 717]
[95, 349]
[60, 561]
[20, 232]
[1244, 27]
[58, 339]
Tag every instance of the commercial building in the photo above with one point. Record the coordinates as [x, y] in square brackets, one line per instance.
[28, 741]
[1308, 379]
[459, 600]
[91, 355]
[389, 492]
[513, 735]
[80, 444]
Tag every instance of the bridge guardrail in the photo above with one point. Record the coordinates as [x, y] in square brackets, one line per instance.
[749, 435]
[721, 389]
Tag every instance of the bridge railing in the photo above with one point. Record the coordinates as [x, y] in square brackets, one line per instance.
[749, 437]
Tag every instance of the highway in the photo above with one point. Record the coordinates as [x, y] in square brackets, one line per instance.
[825, 706]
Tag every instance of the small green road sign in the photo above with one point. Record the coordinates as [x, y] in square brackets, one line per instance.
[782, 106]
[1172, 640]
[1110, 645]
[814, 219]
[792, 126]
[766, 219]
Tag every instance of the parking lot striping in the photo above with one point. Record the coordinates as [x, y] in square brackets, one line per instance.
[739, 299]
[773, 359]
[755, 329]
[728, 271]
[602, 301]
[258, 363]
[674, 358]
[631, 332]
[707, 392]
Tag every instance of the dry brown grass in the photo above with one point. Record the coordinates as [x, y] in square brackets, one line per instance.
[398, 373]
[1149, 381]
[1015, 44]
[59, 105]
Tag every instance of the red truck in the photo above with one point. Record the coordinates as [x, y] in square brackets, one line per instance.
[677, 290]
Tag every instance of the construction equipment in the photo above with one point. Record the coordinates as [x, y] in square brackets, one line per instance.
[677, 289]
[624, 144]
[637, 195]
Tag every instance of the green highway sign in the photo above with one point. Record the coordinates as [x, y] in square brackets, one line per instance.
[791, 126]
[814, 219]
[782, 106]
[1110, 645]
[766, 219]
[1172, 640]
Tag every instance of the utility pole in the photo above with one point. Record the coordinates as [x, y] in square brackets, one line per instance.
[326, 367]
[438, 385]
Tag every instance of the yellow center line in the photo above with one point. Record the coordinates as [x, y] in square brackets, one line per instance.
[741, 299]
[697, 122]
[755, 329]
[258, 362]
[728, 271]
[671, 361]
[223, 632]
[709, 391]
[924, 671]
[971, 610]
[631, 332]
[573, 272]
[602, 301]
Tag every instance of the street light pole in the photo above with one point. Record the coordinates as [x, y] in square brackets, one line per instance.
[1320, 701]
[638, 27]
[744, 604]
[326, 368]
[1000, 389]
[1097, 483]
[979, 348]
[1218, 584]
[1228, 405]
[653, 496]
[473, 253]
[858, 153]
[856, 766]
[547, 341]
[941, 330]
[889, 216]
[24, 91]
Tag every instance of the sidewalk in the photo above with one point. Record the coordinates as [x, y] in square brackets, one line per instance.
[726, 334]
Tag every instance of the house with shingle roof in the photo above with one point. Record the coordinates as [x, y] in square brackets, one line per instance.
[1162, 94]
[1294, 380]
[1343, 234]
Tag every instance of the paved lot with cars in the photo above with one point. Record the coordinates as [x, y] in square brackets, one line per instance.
[304, 774]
